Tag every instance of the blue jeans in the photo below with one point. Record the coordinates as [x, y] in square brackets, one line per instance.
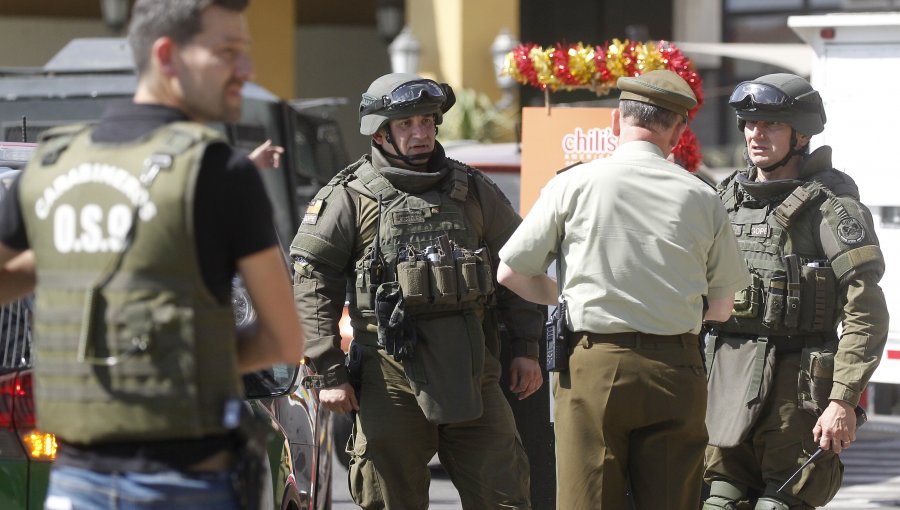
[82, 489]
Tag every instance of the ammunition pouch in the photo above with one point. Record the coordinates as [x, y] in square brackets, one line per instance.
[799, 301]
[740, 378]
[431, 282]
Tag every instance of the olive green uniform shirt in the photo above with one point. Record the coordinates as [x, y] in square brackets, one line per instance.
[641, 240]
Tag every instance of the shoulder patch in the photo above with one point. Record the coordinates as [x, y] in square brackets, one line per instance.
[851, 231]
[312, 212]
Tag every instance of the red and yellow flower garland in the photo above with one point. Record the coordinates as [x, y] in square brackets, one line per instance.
[579, 66]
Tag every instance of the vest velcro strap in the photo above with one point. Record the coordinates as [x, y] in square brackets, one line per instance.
[857, 257]
[311, 244]
[376, 184]
[794, 204]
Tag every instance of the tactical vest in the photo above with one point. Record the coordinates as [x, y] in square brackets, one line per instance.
[794, 288]
[130, 344]
[433, 278]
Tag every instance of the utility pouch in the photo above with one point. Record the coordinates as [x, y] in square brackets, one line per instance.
[817, 310]
[556, 337]
[816, 378]
[747, 302]
[792, 301]
[467, 270]
[442, 281]
[740, 380]
[413, 278]
[485, 273]
[775, 298]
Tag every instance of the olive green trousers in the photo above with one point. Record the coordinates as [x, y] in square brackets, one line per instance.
[393, 443]
[779, 443]
[629, 412]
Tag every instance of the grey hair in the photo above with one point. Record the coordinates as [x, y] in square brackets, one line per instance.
[648, 116]
[178, 19]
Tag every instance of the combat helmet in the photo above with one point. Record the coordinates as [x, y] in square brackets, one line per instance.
[399, 95]
[780, 97]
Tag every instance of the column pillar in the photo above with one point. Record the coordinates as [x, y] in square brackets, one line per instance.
[456, 37]
[272, 28]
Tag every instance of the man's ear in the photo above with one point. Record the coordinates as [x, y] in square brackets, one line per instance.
[378, 137]
[677, 132]
[616, 116]
[162, 54]
[802, 141]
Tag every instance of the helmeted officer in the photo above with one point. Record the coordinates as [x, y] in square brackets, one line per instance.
[782, 382]
[413, 236]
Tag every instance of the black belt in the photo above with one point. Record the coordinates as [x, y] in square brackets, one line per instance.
[638, 340]
[784, 344]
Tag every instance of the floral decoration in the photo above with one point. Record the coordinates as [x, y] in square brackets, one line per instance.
[580, 66]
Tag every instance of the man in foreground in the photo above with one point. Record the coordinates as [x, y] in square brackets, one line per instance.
[131, 230]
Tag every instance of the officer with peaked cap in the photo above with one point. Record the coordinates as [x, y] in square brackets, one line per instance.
[640, 242]
[782, 381]
[415, 236]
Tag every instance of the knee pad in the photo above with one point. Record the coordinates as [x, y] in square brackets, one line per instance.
[724, 495]
[768, 503]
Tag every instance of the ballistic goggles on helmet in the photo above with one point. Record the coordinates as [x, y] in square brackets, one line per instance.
[409, 94]
[762, 96]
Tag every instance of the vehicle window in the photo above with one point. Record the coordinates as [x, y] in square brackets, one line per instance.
[304, 137]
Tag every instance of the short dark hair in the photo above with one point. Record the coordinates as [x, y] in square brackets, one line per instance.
[178, 19]
[648, 116]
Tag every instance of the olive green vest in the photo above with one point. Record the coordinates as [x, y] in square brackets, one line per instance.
[445, 287]
[795, 274]
[410, 226]
[129, 343]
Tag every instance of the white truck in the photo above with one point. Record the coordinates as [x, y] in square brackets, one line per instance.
[856, 69]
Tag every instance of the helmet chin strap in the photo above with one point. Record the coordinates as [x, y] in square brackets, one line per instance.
[783, 161]
[414, 160]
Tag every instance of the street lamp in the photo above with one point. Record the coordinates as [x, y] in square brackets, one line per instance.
[502, 45]
[389, 18]
[404, 52]
[115, 13]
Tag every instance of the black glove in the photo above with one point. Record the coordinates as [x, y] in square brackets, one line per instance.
[396, 334]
